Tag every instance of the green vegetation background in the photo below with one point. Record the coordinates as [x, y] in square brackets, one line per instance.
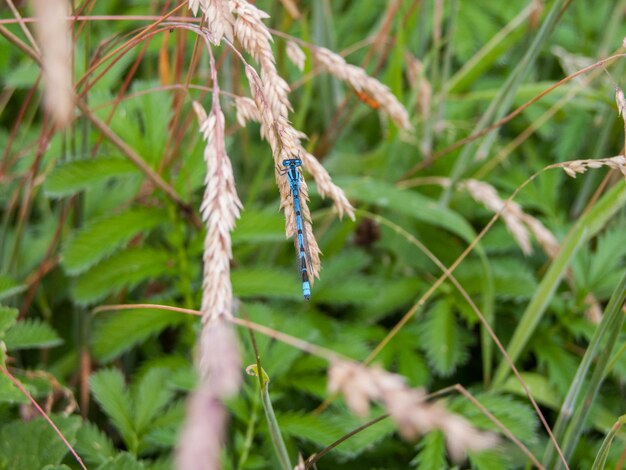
[100, 235]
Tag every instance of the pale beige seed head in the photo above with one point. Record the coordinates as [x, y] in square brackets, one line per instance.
[621, 102]
[203, 432]
[296, 55]
[357, 78]
[54, 34]
[219, 18]
[574, 167]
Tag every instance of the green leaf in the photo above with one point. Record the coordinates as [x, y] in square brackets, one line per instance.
[93, 445]
[9, 393]
[8, 317]
[443, 340]
[124, 461]
[110, 392]
[8, 287]
[125, 269]
[431, 452]
[101, 237]
[407, 202]
[120, 331]
[150, 396]
[266, 282]
[517, 417]
[31, 333]
[488, 460]
[34, 444]
[259, 227]
[587, 226]
[71, 177]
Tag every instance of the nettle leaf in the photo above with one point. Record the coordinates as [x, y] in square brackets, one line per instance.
[488, 460]
[34, 444]
[259, 226]
[325, 429]
[431, 452]
[71, 177]
[103, 236]
[120, 331]
[516, 416]
[9, 393]
[266, 282]
[443, 340]
[407, 202]
[109, 390]
[31, 333]
[123, 461]
[9, 287]
[150, 396]
[8, 317]
[93, 445]
[558, 365]
[125, 269]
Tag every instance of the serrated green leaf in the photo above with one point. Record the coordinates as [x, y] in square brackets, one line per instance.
[150, 396]
[431, 452]
[120, 331]
[103, 236]
[125, 269]
[8, 317]
[443, 340]
[123, 461]
[265, 282]
[31, 333]
[517, 417]
[9, 393]
[93, 445]
[259, 227]
[35, 444]
[488, 460]
[8, 287]
[71, 177]
[407, 202]
[109, 390]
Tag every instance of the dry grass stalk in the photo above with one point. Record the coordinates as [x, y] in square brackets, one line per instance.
[574, 167]
[256, 39]
[220, 19]
[219, 358]
[517, 221]
[246, 110]
[415, 75]
[407, 407]
[55, 38]
[296, 55]
[220, 207]
[357, 78]
[203, 433]
[285, 142]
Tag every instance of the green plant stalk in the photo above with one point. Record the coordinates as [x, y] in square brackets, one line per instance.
[275, 434]
[272, 422]
[585, 228]
[598, 353]
[600, 461]
[502, 102]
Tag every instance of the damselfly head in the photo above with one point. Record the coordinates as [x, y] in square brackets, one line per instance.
[292, 161]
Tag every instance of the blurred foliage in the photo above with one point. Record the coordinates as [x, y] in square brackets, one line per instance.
[82, 227]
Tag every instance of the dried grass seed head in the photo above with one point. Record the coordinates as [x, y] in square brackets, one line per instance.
[55, 38]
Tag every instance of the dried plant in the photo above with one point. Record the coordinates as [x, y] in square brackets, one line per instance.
[55, 39]
[203, 433]
[219, 357]
[357, 78]
[407, 407]
[296, 55]
[574, 167]
[517, 221]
